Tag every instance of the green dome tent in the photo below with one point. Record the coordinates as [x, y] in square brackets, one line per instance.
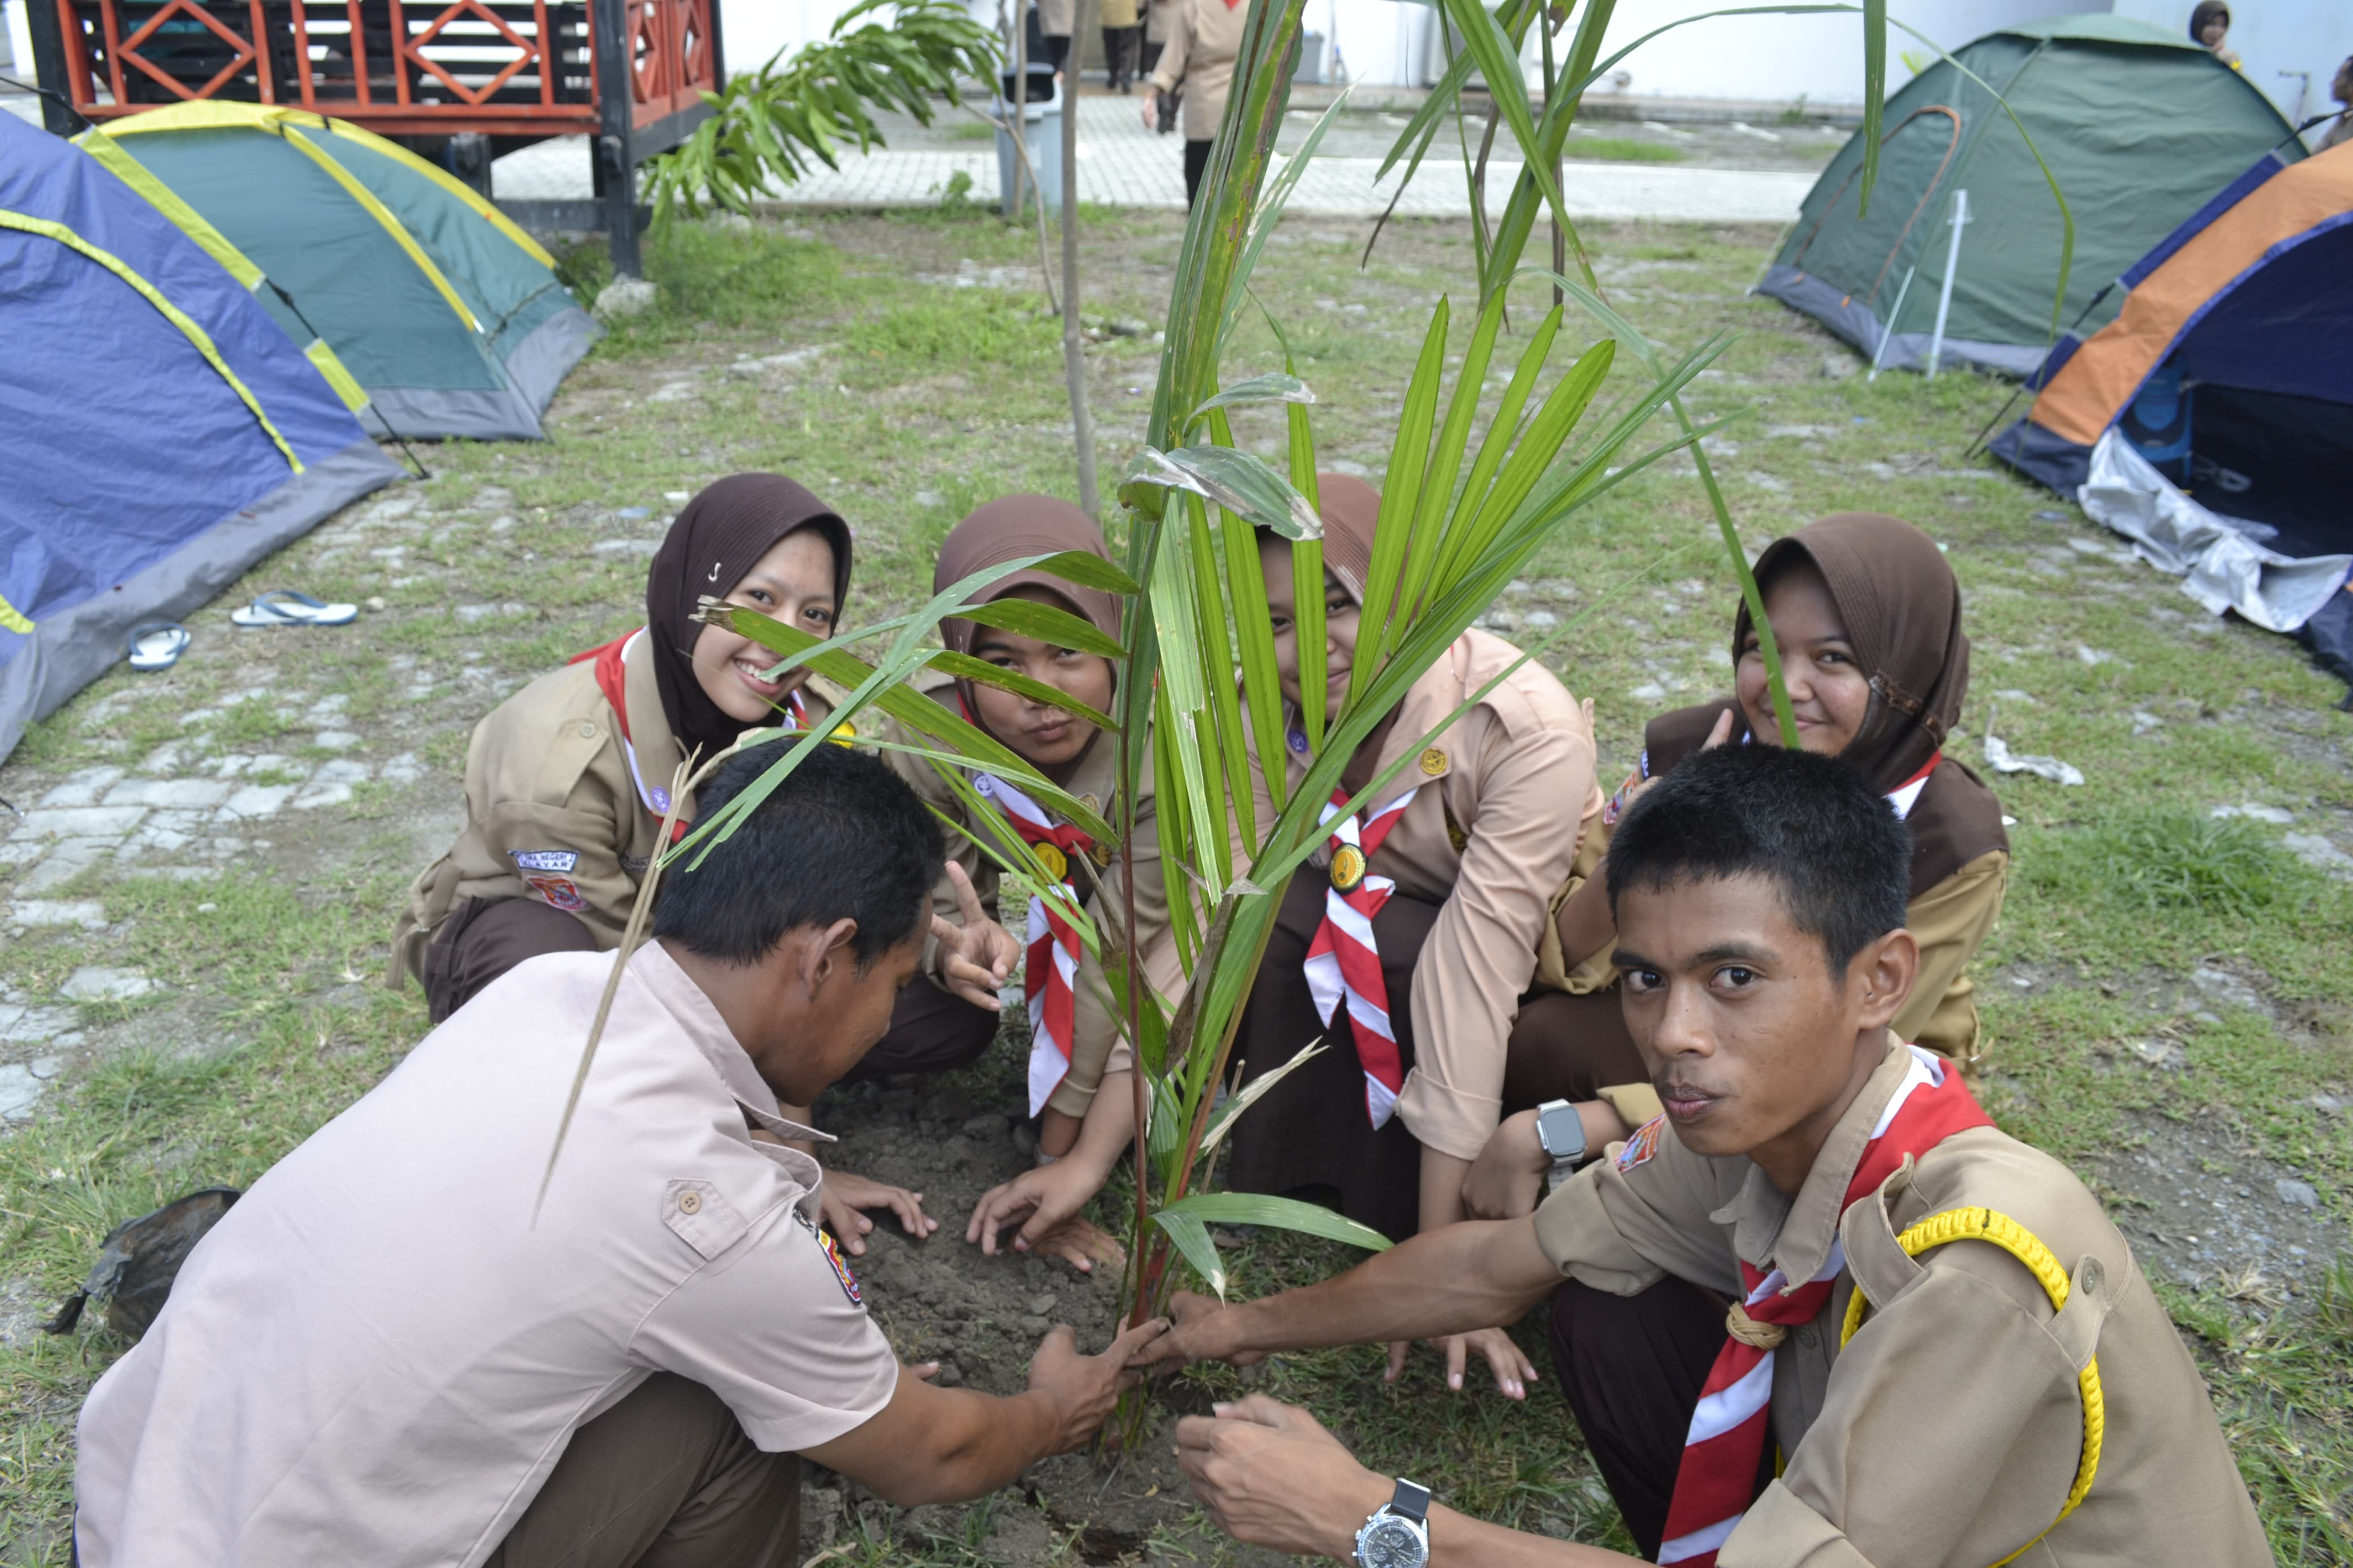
[448, 314]
[2139, 126]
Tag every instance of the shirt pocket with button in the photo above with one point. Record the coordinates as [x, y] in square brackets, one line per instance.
[703, 1217]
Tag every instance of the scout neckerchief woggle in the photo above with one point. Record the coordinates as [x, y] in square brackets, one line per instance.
[613, 680]
[1718, 1479]
[1050, 977]
[1344, 961]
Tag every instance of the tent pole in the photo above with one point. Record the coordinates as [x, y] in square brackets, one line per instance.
[1888, 331]
[1952, 270]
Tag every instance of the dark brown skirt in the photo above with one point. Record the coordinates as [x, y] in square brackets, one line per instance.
[1310, 1137]
[1568, 1048]
[932, 1030]
[483, 938]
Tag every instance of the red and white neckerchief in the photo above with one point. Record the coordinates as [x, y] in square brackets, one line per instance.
[1716, 1480]
[1344, 962]
[1049, 978]
[613, 680]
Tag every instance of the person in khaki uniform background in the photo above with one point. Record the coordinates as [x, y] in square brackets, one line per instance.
[1867, 614]
[1970, 1361]
[567, 781]
[1123, 35]
[1496, 803]
[391, 1352]
[1080, 1086]
[1204, 37]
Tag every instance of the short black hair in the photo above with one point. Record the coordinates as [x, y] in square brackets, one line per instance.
[843, 837]
[1811, 824]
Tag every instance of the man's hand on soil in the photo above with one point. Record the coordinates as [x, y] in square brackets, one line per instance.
[844, 1194]
[1272, 1475]
[1083, 1388]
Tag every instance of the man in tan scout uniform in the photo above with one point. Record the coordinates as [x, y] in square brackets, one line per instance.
[413, 1344]
[1822, 1312]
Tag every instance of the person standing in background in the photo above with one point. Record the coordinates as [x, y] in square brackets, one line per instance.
[1123, 32]
[1057, 19]
[1157, 17]
[2210, 25]
[2340, 130]
[1204, 37]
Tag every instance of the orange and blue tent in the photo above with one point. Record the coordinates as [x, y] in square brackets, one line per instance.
[158, 431]
[2229, 372]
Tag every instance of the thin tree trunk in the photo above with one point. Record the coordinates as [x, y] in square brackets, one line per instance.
[1074, 361]
[1552, 84]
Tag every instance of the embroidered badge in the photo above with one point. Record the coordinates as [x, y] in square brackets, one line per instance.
[1434, 762]
[832, 1251]
[1643, 1144]
[561, 892]
[659, 796]
[1298, 741]
[545, 859]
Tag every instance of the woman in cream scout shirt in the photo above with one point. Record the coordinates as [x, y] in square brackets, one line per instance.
[1867, 614]
[1079, 1061]
[567, 781]
[1204, 38]
[1447, 869]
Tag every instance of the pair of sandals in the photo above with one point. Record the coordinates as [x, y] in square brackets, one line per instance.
[158, 645]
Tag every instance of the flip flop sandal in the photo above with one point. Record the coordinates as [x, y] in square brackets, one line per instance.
[157, 644]
[280, 607]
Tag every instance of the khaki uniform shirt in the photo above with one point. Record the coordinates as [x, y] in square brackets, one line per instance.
[1204, 37]
[559, 806]
[1948, 1431]
[1505, 792]
[1116, 13]
[1099, 1044]
[378, 1354]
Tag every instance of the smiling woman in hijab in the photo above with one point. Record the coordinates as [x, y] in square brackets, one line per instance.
[1867, 614]
[1079, 1062]
[567, 781]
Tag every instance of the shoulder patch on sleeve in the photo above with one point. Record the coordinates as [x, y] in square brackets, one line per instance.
[1643, 1144]
[832, 1250]
[561, 892]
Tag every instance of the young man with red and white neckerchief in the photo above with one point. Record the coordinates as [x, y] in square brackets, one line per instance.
[2007, 1376]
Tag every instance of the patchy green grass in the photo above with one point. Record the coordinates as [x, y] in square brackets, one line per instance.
[1626, 150]
[843, 350]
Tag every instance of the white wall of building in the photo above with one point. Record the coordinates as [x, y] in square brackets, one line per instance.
[2273, 38]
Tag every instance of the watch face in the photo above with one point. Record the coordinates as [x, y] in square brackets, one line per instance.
[1390, 1541]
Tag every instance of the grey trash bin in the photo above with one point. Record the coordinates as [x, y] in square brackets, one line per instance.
[1042, 135]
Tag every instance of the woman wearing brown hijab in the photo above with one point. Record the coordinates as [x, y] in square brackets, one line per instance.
[1447, 866]
[1867, 616]
[1079, 1064]
[567, 781]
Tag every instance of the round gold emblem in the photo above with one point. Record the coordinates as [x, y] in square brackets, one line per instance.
[1049, 855]
[1434, 762]
[1347, 868]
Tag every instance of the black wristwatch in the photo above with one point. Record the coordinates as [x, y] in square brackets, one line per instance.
[1560, 1132]
[1397, 1533]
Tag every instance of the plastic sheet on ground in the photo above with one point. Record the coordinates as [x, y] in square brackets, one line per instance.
[2223, 567]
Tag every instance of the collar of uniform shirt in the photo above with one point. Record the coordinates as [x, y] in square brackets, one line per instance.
[1772, 1229]
[653, 968]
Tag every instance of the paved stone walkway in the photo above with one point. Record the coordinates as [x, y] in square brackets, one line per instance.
[1122, 165]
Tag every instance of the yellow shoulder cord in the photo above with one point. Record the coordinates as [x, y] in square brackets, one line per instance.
[1989, 1226]
[198, 337]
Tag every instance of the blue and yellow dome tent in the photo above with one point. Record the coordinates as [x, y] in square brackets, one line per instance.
[159, 432]
[2222, 392]
[448, 313]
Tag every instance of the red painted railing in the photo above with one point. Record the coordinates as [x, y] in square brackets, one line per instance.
[399, 66]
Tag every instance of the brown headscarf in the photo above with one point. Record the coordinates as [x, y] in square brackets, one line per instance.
[1902, 609]
[1350, 509]
[1007, 530]
[718, 537]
